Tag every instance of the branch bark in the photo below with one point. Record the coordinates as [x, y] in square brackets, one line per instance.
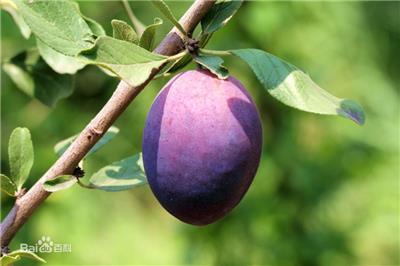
[124, 94]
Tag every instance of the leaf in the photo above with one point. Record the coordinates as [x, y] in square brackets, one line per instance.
[11, 8]
[7, 185]
[122, 175]
[6, 260]
[63, 145]
[219, 15]
[213, 64]
[148, 35]
[94, 26]
[63, 64]
[204, 39]
[164, 8]
[58, 24]
[20, 152]
[179, 64]
[122, 31]
[60, 183]
[16, 255]
[130, 62]
[109, 135]
[34, 77]
[293, 87]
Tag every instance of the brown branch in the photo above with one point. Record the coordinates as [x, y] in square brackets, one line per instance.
[25, 206]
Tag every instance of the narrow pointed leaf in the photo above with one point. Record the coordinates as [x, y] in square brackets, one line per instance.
[6, 259]
[17, 255]
[148, 36]
[33, 76]
[293, 87]
[122, 31]
[7, 185]
[122, 175]
[219, 15]
[63, 145]
[58, 24]
[60, 183]
[164, 8]
[11, 8]
[213, 64]
[60, 63]
[130, 62]
[20, 152]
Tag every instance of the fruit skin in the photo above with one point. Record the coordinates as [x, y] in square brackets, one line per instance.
[201, 146]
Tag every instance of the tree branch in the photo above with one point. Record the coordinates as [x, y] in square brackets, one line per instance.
[25, 206]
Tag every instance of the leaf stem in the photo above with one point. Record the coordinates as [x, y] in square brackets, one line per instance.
[177, 56]
[139, 27]
[89, 186]
[215, 52]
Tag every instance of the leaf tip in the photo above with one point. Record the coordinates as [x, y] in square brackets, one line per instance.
[352, 110]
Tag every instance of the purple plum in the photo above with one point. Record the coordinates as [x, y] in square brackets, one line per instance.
[201, 146]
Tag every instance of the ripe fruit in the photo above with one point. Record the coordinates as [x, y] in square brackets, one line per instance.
[201, 146]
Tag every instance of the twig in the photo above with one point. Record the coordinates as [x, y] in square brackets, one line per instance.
[25, 206]
[139, 27]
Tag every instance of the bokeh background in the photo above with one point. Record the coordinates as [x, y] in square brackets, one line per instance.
[326, 192]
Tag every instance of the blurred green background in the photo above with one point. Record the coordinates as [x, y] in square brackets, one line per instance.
[326, 192]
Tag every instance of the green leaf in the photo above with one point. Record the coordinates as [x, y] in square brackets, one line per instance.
[34, 77]
[60, 63]
[293, 87]
[7, 185]
[11, 8]
[60, 183]
[122, 175]
[219, 15]
[16, 255]
[94, 26]
[148, 35]
[164, 8]
[122, 31]
[109, 135]
[213, 64]
[63, 145]
[179, 64]
[6, 260]
[20, 152]
[17, 69]
[58, 24]
[204, 39]
[130, 62]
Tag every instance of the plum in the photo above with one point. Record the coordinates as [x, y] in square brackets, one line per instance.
[201, 146]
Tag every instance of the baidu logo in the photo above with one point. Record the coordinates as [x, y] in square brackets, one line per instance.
[46, 245]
